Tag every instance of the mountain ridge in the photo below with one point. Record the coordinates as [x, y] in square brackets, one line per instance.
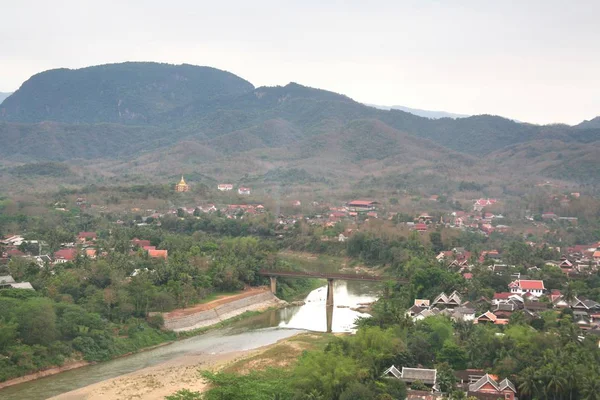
[225, 118]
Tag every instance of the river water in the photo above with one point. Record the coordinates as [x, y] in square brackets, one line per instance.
[247, 334]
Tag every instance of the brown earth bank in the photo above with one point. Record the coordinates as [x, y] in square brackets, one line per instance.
[251, 291]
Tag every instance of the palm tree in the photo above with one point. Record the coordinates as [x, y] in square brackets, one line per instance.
[590, 386]
[568, 293]
[529, 382]
[570, 374]
[555, 379]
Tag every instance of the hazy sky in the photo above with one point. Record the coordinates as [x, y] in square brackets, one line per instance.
[536, 61]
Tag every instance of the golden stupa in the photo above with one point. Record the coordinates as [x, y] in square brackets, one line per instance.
[182, 186]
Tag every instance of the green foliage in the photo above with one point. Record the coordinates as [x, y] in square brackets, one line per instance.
[269, 384]
[184, 394]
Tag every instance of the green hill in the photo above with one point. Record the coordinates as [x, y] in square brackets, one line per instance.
[129, 93]
[153, 118]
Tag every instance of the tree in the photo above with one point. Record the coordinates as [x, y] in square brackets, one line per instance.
[436, 241]
[445, 377]
[529, 385]
[329, 373]
[8, 333]
[357, 391]
[590, 386]
[555, 381]
[37, 322]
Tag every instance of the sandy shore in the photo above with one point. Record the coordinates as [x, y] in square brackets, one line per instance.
[161, 380]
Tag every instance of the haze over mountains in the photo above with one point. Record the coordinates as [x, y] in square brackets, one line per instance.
[3, 96]
[150, 118]
[421, 113]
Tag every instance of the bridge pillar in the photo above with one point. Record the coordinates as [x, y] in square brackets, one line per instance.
[329, 292]
[273, 284]
[329, 310]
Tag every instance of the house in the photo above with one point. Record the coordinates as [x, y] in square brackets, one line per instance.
[225, 187]
[416, 310]
[342, 238]
[86, 236]
[482, 203]
[362, 205]
[410, 375]
[463, 314]
[91, 253]
[445, 301]
[12, 240]
[421, 302]
[490, 318]
[244, 191]
[135, 242]
[296, 203]
[522, 286]
[420, 227]
[153, 253]
[41, 261]
[65, 255]
[487, 388]
[7, 282]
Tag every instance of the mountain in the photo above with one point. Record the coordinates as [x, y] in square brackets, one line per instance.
[591, 124]
[152, 119]
[127, 93]
[421, 113]
[4, 95]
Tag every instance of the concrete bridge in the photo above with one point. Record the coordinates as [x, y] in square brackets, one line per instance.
[323, 275]
[320, 275]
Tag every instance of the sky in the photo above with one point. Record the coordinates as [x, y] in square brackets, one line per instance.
[531, 60]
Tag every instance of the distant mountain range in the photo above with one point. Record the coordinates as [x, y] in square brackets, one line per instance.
[158, 119]
[421, 113]
[4, 95]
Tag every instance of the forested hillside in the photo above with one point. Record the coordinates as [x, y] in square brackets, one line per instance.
[134, 93]
[143, 111]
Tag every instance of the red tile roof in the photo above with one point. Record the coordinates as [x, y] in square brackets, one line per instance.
[525, 284]
[87, 235]
[158, 253]
[65, 254]
[421, 227]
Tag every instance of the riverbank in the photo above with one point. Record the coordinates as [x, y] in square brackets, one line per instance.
[233, 308]
[156, 382]
[210, 314]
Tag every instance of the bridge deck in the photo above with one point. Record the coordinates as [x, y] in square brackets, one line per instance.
[327, 275]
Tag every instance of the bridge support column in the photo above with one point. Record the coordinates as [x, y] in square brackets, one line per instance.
[329, 292]
[273, 284]
[329, 318]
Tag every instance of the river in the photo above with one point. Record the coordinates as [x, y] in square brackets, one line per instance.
[247, 334]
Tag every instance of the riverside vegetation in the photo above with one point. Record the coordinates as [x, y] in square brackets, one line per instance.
[547, 358]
